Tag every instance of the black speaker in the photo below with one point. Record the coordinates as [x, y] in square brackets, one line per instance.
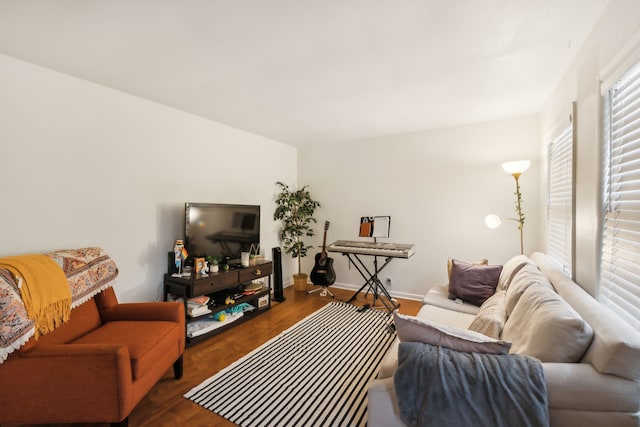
[278, 293]
[171, 263]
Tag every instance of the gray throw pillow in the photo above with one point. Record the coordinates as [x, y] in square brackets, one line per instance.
[473, 283]
[413, 329]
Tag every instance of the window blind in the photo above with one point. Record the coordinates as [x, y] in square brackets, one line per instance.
[620, 250]
[560, 200]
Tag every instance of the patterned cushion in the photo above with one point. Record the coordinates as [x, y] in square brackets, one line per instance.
[15, 326]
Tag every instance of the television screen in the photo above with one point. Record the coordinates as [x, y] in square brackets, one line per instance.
[221, 230]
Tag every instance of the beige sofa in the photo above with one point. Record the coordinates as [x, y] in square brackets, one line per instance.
[602, 388]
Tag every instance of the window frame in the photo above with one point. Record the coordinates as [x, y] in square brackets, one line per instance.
[619, 273]
[562, 212]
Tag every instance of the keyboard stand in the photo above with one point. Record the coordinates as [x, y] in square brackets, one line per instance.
[372, 281]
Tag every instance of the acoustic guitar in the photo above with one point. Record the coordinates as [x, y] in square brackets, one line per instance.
[323, 273]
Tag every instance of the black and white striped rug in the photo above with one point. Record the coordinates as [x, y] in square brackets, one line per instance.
[315, 373]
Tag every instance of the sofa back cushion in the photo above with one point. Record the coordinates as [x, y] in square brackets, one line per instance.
[510, 269]
[545, 326]
[528, 275]
[492, 316]
[84, 319]
[616, 345]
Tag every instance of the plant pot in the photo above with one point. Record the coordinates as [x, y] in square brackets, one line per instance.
[214, 268]
[300, 282]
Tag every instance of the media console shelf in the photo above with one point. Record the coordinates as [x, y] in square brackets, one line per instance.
[219, 286]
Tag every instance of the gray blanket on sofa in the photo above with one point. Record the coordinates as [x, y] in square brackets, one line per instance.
[437, 386]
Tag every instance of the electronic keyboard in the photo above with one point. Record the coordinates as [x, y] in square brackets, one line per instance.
[395, 250]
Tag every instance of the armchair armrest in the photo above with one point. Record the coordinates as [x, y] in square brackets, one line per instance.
[91, 379]
[145, 311]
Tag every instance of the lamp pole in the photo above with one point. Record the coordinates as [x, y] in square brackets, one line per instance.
[516, 176]
[515, 169]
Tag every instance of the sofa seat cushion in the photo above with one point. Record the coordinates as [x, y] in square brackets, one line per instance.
[545, 326]
[438, 296]
[446, 317]
[147, 341]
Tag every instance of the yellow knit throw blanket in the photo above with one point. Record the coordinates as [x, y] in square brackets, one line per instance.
[44, 290]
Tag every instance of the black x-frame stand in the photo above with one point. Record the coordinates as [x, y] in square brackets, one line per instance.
[372, 281]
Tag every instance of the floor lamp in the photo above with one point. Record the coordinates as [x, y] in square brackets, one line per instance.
[514, 169]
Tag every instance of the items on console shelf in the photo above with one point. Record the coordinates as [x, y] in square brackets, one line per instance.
[225, 290]
[217, 320]
[180, 256]
[198, 306]
[208, 324]
[253, 287]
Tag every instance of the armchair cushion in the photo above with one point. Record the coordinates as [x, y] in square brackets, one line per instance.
[167, 311]
[84, 318]
[146, 341]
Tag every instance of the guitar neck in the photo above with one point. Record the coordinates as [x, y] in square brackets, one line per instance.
[324, 239]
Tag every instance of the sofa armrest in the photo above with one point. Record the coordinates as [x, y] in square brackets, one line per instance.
[93, 379]
[145, 311]
[382, 404]
[579, 386]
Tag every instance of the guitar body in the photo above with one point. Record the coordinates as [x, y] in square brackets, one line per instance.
[323, 273]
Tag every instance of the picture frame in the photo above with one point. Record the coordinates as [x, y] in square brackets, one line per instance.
[199, 266]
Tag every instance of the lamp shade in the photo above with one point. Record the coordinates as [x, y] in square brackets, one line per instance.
[492, 221]
[518, 166]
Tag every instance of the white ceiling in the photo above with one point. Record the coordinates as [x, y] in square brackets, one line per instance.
[312, 71]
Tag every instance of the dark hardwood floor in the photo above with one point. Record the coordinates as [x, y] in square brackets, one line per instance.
[164, 404]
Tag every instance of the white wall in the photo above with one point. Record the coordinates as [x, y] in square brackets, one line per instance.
[619, 22]
[84, 165]
[438, 186]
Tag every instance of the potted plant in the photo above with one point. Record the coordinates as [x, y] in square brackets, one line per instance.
[294, 210]
[213, 263]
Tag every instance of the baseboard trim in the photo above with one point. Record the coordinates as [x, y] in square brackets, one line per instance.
[394, 294]
[354, 288]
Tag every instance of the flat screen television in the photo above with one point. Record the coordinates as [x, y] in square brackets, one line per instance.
[213, 229]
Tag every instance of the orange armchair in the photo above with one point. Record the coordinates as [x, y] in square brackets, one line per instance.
[96, 367]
